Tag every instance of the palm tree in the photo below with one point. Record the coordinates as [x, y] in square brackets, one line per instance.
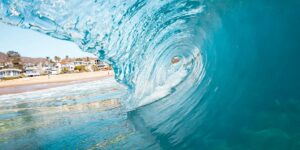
[49, 59]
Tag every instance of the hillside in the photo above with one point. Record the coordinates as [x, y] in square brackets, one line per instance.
[31, 60]
[3, 57]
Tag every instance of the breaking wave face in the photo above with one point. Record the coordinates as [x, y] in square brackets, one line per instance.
[207, 74]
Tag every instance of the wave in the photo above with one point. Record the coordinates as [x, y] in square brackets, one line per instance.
[200, 73]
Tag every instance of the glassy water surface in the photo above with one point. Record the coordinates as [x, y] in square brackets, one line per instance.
[78, 116]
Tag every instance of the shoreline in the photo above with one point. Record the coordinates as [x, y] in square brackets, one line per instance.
[43, 82]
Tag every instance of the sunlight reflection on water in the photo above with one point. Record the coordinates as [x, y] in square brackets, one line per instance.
[73, 116]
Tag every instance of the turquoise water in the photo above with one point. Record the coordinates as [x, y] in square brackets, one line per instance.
[235, 87]
[83, 116]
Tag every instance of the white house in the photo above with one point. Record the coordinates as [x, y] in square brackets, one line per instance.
[101, 65]
[56, 69]
[6, 73]
[68, 66]
[32, 71]
[93, 62]
[2, 65]
[46, 69]
[79, 63]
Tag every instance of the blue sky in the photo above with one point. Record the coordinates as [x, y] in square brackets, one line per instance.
[33, 44]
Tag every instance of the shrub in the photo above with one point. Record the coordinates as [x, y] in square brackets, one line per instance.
[10, 78]
[22, 75]
[65, 70]
[80, 68]
[95, 68]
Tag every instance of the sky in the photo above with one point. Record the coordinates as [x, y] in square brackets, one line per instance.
[34, 44]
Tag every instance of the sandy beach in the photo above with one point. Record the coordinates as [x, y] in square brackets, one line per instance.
[44, 82]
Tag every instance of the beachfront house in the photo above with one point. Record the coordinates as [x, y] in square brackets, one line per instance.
[103, 66]
[67, 66]
[10, 73]
[79, 63]
[6, 65]
[32, 71]
[56, 69]
[2, 65]
[93, 62]
[46, 68]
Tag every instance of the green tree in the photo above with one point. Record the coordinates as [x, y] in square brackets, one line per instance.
[65, 70]
[15, 58]
[78, 59]
[95, 68]
[80, 68]
[57, 59]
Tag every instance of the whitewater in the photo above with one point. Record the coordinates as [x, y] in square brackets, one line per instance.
[235, 84]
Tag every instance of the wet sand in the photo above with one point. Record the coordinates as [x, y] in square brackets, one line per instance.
[45, 82]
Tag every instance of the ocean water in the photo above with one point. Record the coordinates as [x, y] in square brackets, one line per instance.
[236, 85]
[78, 116]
